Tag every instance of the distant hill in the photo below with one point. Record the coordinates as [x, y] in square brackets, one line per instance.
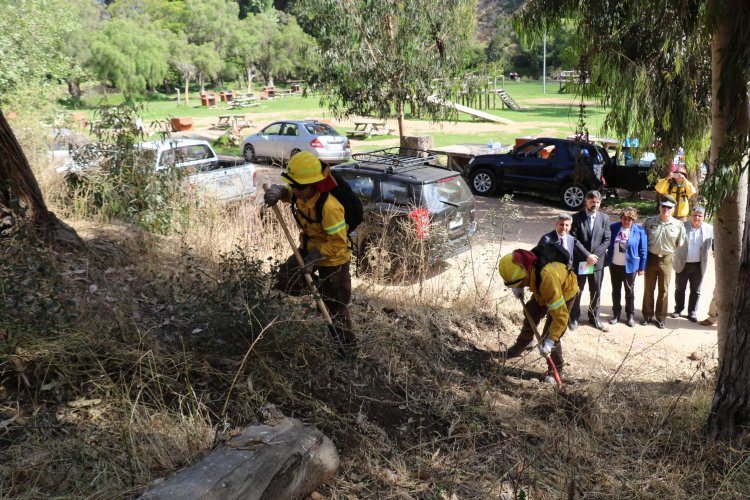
[488, 10]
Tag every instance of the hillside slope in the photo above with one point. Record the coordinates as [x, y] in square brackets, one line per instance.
[146, 364]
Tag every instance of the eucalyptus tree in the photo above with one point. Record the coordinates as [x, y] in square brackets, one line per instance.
[77, 44]
[132, 54]
[32, 57]
[377, 55]
[677, 70]
[210, 24]
[279, 44]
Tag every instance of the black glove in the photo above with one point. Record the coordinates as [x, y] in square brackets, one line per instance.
[312, 257]
[274, 194]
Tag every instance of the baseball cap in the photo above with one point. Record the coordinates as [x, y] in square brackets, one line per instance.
[668, 201]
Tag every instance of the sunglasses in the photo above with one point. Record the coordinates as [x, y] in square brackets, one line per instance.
[666, 206]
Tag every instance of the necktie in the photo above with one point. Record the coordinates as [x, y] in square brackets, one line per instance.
[591, 222]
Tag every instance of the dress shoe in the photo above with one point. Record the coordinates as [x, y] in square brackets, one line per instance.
[614, 320]
[693, 318]
[599, 325]
[646, 320]
[674, 315]
[573, 325]
[631, 321]
[707, 322]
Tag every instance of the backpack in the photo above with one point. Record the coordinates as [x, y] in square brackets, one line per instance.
[353, 210]
[546, 253]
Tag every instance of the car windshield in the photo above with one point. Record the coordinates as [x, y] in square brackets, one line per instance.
[320, 129]
[453, 191]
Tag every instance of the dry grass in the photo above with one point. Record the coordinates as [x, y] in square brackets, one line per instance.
[147, 376]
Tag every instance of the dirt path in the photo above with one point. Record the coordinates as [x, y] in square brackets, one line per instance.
[660, 353]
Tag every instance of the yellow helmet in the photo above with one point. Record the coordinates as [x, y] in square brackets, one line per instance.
[512, 273]
[304, 168]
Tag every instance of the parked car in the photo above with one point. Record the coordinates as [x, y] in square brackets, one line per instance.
[415, 212]
[283, 139]
[222, 179]
[560, 167]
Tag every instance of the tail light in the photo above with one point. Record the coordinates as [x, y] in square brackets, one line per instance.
[316, 143]
[421, 217]
[347, 145]
[254, 175]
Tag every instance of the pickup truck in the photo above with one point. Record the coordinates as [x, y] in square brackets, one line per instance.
[222, 179]
[560, 167]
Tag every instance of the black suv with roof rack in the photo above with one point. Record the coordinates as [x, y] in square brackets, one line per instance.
[415, 210]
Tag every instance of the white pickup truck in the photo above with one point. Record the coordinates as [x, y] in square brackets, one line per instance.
[221, 179]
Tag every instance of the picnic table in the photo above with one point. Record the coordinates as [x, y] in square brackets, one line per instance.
[368, 128]
[243, 101]
[231, 121]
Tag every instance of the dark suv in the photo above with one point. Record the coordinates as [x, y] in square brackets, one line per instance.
[560, 167]
[415, 211]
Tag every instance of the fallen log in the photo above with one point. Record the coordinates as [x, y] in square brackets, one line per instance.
[286, 460]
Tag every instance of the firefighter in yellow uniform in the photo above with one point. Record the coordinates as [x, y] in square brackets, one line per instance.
[677, 184]
[554, 291]
[324, 243]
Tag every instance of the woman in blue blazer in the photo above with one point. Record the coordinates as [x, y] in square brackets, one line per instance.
[626, 259]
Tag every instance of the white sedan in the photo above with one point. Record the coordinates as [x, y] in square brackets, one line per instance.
[283, 139]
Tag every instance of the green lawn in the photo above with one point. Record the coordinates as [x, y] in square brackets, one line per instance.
[554, 119]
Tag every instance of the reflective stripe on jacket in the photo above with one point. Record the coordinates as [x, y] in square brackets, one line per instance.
[558, 285]
[328, 236]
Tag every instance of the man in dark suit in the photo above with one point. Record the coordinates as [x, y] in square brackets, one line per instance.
[591, 228]
[561, 235]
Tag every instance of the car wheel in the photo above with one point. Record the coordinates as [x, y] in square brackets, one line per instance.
[572, 196]
[249, 152]
[483, 182]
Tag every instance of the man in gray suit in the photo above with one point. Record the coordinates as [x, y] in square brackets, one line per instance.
[591, 228]
[690, 263]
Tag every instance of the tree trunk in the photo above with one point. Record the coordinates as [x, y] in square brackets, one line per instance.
[730, 216]
[729, 417]
[74, 89]
[401, 125]
[286, 459]
[250, 74]
[16, 173]
[187, 86]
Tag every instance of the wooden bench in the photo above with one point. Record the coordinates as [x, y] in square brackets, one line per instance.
[243, 102]
[231, 121]
[368, 128]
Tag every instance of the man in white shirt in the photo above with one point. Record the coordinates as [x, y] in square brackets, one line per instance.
[690, 263]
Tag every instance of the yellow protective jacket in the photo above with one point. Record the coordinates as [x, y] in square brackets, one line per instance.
[328, 236]
[681, 192]
[557, 286]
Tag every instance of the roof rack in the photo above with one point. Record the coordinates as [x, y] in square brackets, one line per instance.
[401, 159]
